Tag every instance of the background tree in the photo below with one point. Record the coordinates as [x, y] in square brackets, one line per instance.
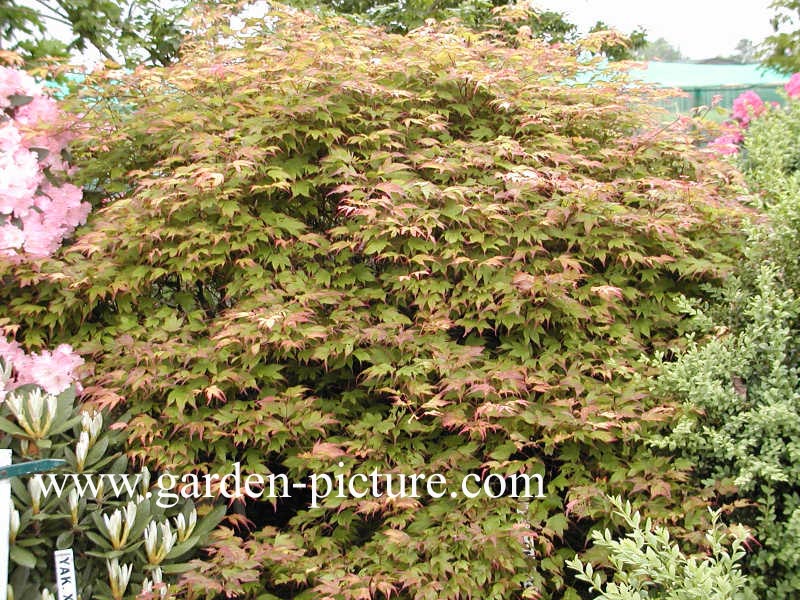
[782, 49]
[399, 16]
[615, 50]
[746, 52]
[128, 32]
[659, 49]
[135, 32]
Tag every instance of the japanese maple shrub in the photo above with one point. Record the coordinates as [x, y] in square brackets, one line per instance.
[327, 245]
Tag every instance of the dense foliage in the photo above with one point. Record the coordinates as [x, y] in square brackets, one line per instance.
[738, 380]
[433, 253]
[648, 563]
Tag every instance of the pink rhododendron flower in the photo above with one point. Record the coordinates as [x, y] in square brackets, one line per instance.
[20, 175]
[726, 144]
[29, 144]
[10, 138]
[747, 106]
[11, 238]
[792, 86]
[42, 109]
[53, 371]
[35, 214]
[40, 239]
[10, 352]
[14, 81]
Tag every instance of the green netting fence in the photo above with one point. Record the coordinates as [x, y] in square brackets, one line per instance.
[701, 82]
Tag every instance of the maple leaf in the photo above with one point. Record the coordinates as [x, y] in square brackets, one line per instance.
[608, 292]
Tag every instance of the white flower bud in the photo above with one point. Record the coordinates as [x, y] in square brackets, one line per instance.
[113, 525]
[82, 450]
[145, 479]
[185, 529]
[15, 405]
[99, 489]
[151, 542]
[35, 405]
[118, 577]
[13, 526]
[168, 538]
[73, 506]
[157, 583]
[36, 489]
[5, 370]
[158, 546]
[130, 517]
[52, 407]
[92, 424]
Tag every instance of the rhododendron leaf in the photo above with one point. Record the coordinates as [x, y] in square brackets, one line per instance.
[16, 100]
[11, 428]
[41, 153]
[22, 557]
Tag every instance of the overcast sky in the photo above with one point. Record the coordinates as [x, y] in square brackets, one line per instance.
[700, 28]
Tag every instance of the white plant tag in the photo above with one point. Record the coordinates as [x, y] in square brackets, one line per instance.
[65, 575]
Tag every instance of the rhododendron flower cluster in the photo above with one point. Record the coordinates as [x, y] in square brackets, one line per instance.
[36, 212]
[792, 86]
[53, 371]
[747, 106]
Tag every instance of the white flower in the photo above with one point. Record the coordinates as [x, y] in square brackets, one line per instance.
[92, 424]
[82, 449]
[130, 516]
[118, 577]
[119, 525]
[113, 525]
[157, 583]
[36, 489]
[73, 506]
[13, 526]
[52, 407]
[158, 546]
[185, 529]
[35, 405]
[14, 403]
[35, 412]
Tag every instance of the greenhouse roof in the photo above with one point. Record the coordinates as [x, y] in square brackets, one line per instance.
[695, 75]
